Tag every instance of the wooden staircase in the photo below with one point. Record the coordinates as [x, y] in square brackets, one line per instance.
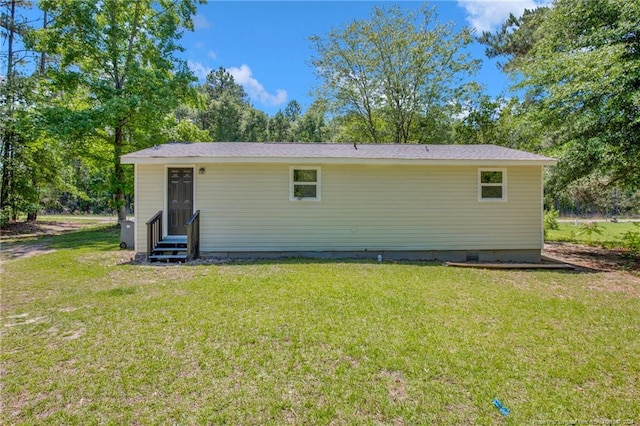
[172, 248]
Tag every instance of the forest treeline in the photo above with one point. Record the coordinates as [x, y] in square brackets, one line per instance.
[83, 82]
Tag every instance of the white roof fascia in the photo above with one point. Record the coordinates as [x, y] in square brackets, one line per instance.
[333, 160]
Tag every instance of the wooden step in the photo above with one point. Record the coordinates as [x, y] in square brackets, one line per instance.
[174, 239]
[169, 246]
[172, 248]
[168, 257]
[166, 250]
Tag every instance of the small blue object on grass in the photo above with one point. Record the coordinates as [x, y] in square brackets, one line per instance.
[503, 410]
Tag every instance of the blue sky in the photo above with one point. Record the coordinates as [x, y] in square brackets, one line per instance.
[265, 44]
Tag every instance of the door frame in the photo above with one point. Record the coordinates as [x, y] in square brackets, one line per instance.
[165, 203]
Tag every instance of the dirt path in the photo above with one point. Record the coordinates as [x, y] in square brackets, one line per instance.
[20, 230]
[593, 258]
[16, 240]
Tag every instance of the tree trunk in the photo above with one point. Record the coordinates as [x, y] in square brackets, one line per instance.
[7, 149]
[119, 132]
[6, 169]
[118, 172]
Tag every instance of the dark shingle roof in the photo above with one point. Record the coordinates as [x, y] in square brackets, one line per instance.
[255, 151]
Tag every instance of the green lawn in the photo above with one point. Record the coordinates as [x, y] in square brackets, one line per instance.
[611, 233]
[78, 218]
[88, 338]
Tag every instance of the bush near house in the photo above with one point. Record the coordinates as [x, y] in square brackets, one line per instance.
[631, 238]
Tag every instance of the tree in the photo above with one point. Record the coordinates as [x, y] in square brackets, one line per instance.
[183, 131]
[293, 111]
[226, 102]
[221, 84]
[311, 126]
[515, 38]
[589, 196]
[498, 121]
[118, 76]
[253, 125]
[181, 125]
[392, 69]
[28, 161]
[8, 97]
[279, 129]
[580, 70]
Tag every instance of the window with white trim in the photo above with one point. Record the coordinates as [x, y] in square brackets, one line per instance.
[492, 185]
[304, 183]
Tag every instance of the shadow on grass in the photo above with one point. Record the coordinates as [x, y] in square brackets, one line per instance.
[103, 238]
[300, 260]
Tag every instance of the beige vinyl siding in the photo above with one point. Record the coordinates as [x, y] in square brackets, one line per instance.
[149, 198]
[246, 207]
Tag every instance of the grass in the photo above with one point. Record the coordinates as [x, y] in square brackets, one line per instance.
[89, 338]
[78, 218]
[75, 218]
[611, 235]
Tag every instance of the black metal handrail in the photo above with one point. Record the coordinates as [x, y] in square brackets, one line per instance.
[193, 236]
[154, 232]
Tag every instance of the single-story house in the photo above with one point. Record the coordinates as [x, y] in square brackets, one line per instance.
[445, 202]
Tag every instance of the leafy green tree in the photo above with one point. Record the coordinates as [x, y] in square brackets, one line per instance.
[181, 125]
[225, 117]
[479, 123]
[229, 115]
[279, 128]
[578, 62]
[515, 38]
[226, 103]
[499, 121]
[591, 196]
[183, 131]
[436, 127]
[28, 159]
[118, 74]
[253, 125]
[390, 70]
[293, 111]
[311, 126]
[221, 84]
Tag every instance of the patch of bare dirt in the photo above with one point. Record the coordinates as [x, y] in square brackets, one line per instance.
[15, 237]
[593, 258]
[396, 385]
[17, 251]
[21, 230]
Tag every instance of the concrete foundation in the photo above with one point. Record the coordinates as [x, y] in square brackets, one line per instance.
[526, 255]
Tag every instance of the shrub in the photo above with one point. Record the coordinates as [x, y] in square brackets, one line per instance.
[5, 215]
[631, 239]
[551, 219]
[590, 228]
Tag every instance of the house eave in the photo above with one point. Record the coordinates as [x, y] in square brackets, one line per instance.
[126, 159]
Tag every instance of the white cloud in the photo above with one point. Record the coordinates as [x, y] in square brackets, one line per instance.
[200, 22]
[201, 71]
[212, 54]
[488, 15]
[256, 91]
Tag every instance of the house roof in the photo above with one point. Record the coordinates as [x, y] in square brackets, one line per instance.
[249, 152]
